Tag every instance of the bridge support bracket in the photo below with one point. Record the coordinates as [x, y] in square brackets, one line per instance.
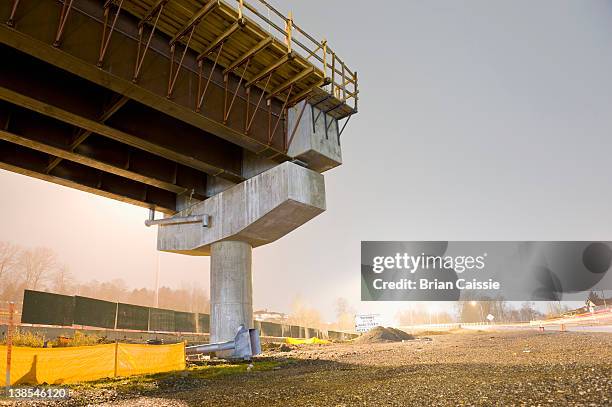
[179, 220]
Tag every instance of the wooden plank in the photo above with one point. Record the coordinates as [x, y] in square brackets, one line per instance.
[269, 69]
[202, 38]
[206, 37]
[306, 92]
[248, 54]
[151, 11]
[284, 86]
[221, 38]
[195, 19]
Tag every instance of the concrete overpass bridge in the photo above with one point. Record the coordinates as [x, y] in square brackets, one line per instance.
[221, 115]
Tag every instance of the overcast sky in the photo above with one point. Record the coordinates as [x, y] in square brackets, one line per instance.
[478, 120]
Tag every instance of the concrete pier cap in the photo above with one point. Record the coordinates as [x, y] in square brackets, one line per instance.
[258, 211]
[316, 139]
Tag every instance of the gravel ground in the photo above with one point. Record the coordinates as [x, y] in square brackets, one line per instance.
[505, 369]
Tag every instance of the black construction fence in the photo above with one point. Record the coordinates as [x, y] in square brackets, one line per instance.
[44, 308]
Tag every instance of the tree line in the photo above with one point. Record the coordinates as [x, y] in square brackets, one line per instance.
[39, 268]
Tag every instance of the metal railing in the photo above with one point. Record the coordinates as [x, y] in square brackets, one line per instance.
[342, 80]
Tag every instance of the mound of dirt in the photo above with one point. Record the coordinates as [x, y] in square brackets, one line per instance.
[380, 334]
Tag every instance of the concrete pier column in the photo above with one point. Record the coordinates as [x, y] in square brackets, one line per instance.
[231, 289]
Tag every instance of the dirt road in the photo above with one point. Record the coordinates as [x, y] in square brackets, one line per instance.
[505, 368]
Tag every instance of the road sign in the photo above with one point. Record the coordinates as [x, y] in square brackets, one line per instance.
[365, 322]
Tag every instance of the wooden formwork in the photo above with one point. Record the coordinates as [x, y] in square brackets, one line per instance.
[115, 81]
[272, 59]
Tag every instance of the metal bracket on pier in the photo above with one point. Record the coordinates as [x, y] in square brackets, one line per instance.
[177, 220]
[245, 345]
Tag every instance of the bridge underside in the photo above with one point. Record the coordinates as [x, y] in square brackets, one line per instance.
[145, 108]
[166, 103]
[62, 128]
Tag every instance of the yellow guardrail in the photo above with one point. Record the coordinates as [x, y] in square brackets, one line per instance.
[84, 363]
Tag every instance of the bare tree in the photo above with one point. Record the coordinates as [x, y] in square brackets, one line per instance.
[63, 280]
[555, 309]
[114, 290]
[39, 268]
[345, 314]
[419, 313]
[8, 258]
[303, 315]
[471, 311]
[497, 307]
[10, 284]
[527, 311]
[201, 301]
[36, 266]
[141, 296]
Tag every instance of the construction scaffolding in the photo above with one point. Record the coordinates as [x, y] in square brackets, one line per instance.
[283, 60]
[115, 80]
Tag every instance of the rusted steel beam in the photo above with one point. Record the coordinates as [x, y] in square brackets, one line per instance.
[202, 93]
[11, 20]
[249, 123]
[283, 110]
[30, 162]
[81, 137]
[174, 74]
[226, 109]
[295, 127]
[106, 35]
[181, 156]
[62, 154]
[260, 46]
[73, 59]
[86, 100]
[140, 53]
[195, 20]
[270, 69]
[238, 25]
[284, 86]
[112, 109]
[66, 7]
